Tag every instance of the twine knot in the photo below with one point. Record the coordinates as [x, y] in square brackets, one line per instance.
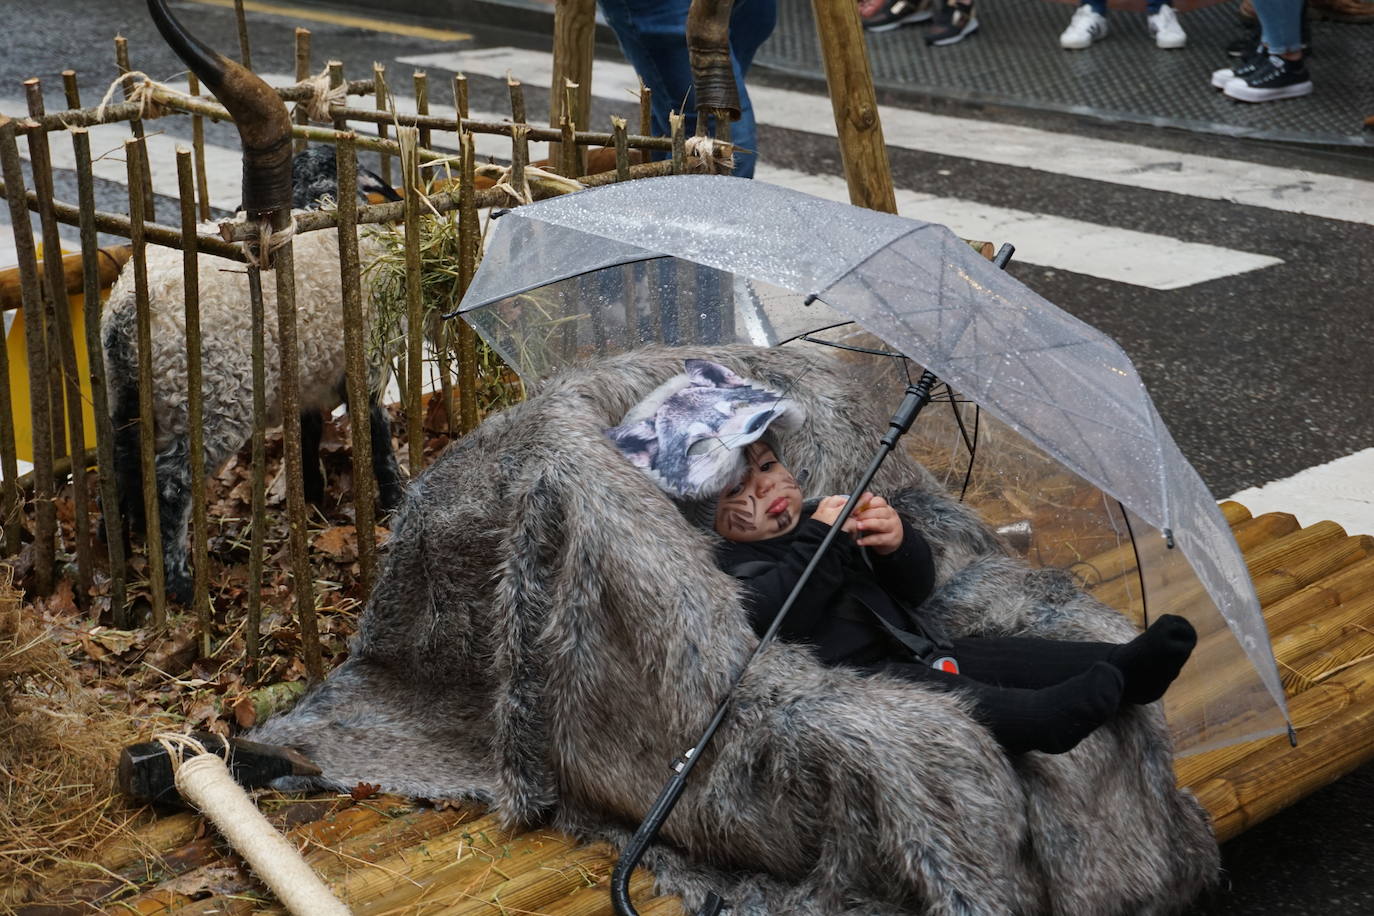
[322, 95]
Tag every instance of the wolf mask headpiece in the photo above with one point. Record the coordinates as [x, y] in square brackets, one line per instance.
[689, 434]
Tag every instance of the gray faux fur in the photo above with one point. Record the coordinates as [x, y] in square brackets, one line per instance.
[548, 634]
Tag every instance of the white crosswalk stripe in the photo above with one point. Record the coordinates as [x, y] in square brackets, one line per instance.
[1121, 255]
[1207, 177]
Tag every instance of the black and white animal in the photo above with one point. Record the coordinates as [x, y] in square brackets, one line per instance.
[226, 359]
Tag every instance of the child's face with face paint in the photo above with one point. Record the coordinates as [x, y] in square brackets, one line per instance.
[765, 504]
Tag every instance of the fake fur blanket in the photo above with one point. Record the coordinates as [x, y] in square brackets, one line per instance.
[548, 634]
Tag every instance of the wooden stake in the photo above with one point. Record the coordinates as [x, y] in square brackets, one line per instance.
[104, 429]
[152, 527]
[355, 360]
[302, 74]
[414, 196]
[195, 403]
[136, 126]
[847, 73]
[469, 248]
[422, 104]
[383, 104]
[574, 40]
[64, 342]
[198, 150]
[245, 52]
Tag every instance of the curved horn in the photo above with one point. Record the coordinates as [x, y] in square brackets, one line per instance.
[259, 114]
[708, 45]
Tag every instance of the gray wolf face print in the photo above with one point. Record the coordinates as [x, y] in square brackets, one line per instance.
[689, 433]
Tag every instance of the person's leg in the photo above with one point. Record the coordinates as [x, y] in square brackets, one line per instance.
[653, 36]
[1149, 663]
[1281, 26]
[1051, 719]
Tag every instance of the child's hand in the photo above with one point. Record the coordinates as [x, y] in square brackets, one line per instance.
[879, 527]
[828, 509]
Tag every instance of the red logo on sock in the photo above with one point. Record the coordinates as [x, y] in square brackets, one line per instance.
[946, 663]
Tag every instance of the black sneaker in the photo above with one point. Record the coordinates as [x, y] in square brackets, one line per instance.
[953, 22]
[886, 15]
[1249, 64]
[1275, 78]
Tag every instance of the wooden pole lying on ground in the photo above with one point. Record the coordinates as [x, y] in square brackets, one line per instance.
[850, 80]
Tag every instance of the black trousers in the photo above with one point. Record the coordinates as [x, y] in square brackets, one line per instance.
[1000, 671]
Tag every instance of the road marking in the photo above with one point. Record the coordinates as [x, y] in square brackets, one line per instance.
[315, 14]
[1120, 255]
[1341, 491]
[1287, 190]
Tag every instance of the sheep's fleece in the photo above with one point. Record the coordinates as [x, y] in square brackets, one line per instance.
[548, 635]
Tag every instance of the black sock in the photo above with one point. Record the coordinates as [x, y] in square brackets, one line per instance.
[1152, 660]
[1051, 719]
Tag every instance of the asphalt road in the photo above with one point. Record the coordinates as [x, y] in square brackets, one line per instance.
[1259, 375]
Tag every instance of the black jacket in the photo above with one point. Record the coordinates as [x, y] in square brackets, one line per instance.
[835, 612]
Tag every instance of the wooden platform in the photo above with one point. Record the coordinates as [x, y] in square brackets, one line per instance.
[388, 855]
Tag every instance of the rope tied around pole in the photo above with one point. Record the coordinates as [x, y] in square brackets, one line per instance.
[322, 96]
[717, 156]
[204, 780]
[144, 94]
[259, 249]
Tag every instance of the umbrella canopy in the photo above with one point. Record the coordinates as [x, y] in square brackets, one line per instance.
[713, 259]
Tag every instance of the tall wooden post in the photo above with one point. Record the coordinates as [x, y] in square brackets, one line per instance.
[850, 79]
[574, 39]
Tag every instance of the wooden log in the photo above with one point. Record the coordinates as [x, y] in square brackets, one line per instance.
[1335, 722]
[109, 263]
[595, 901]
[1233, 512]
[539, 882]
[850, 80]
[1309, 653]
[1302, 570]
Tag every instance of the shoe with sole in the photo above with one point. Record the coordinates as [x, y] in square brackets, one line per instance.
[1165, 29]
[886, 15]
[1274, 79]
[1086, 26]
[1248, 65]
[953, 22]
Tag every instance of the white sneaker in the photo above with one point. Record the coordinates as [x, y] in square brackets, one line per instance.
[1085, 27]
[1164, 27]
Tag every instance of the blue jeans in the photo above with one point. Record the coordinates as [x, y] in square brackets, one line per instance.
[653, 36]
[1280, 24]
[1100, 6]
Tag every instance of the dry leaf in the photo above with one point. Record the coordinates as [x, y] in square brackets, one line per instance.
[364, 790]
[115, 641]
[339, 543]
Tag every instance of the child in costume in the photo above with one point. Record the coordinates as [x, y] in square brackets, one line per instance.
[701, 437]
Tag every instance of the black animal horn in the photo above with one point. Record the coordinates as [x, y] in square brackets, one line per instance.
[259, 113]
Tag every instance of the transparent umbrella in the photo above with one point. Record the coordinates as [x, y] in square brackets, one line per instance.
[713, 259]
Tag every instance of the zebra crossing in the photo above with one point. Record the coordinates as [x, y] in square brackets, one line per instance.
[1154, 261]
